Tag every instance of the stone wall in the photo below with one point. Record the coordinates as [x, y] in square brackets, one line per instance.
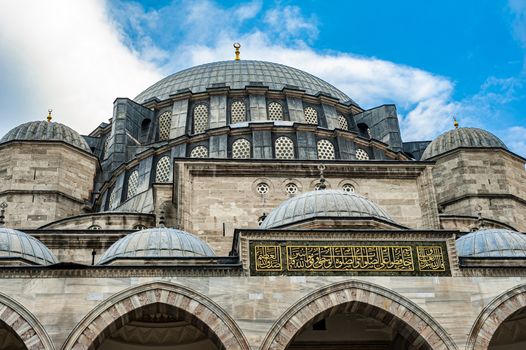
[448, 307]
[44, 181]
[489, 181]
[209, 195]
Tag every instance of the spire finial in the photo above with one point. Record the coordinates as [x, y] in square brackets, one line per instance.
[455, 122]
[3, 205]
[237, 46]
[49, 117]
[321, 184]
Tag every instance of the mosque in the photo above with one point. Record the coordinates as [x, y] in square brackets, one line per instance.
[251, 205]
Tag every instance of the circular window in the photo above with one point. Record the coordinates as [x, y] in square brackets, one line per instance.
[94, 227]
[262, 188]
[361, 154]
[291, 188]
[139, 227]
[348, 188]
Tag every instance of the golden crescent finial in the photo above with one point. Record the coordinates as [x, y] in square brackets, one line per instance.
[237, 46]
[49, 117]
[455, 122]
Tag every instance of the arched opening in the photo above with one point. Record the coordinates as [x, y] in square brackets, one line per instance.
[356, 315]
[159, 326]
[9, 340]
[157, 316]
[145, 130]
[511, 334]
[356, 325]
[363, 130]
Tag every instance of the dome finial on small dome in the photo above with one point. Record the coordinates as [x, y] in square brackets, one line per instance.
[237, 46]
[455, 122]
[49, 117]
[3, 205]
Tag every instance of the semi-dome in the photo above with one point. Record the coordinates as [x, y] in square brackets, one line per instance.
[462, 137]
[492, 243]
[157, 243]
[46, 131]
[16, 244]
[238, 75]
[323, 203]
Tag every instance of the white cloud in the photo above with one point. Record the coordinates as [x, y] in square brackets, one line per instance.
[66, 55]
[514, 138]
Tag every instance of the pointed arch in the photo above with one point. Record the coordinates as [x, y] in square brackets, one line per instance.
[24, 324]
[381, 303]
[201, 311]
[492, 316]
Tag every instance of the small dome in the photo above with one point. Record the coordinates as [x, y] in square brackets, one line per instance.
[46, 131]
[492, 243]
[323, 203]
[16, 244]
[462, 137]
[157, 243]
[238, 75]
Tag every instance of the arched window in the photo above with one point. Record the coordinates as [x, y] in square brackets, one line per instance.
[325, 150]
[200, 118]
[199, 152]
[284, 148]
[275, 111]
[238, 112]
[342, 121]
[133, 184]
[145, 128]
[165, 123]
[112, 201]
[311, 115]
[361, 154]
[364, 130]
[162, 170]
[241, 149]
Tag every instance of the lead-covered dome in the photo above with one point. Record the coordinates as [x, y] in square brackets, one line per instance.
[16, 244]
[46, 131]
[462, 137]
[157, 243]
[238, 75]
[492, 243]
[324, 203]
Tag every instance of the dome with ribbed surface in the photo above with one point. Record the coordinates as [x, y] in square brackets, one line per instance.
[238, 75]
[462, 137]
[492, 243]
[46, 131]
[16, 244]
[157, 243]
[323, 203]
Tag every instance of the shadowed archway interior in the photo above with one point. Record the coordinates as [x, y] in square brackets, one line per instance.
[356, 325]
[9, 340]
[511, 334]
[158, 326]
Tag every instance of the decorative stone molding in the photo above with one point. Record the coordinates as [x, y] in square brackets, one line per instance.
[365, 298]
[24, 324]
[199, 310]
[493, 315]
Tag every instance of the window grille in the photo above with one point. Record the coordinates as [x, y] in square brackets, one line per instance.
[275, 111]
[241, 149]
[112, 202]
[311, 115]
[348, 188]
[291, 188]
[162, 170]
[262, 188]
[361, 154]
[238, 112]
[284, 148]
[133, 184]
[325, 150]
[165, 123]
[199, 152]
[200, 118]
[343, 122]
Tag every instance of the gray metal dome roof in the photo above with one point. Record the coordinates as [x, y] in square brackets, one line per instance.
[157, 243]
[16, 244]
[237, 75]
[461, 137]
[492, 243]
[323, 203]
[47, 131]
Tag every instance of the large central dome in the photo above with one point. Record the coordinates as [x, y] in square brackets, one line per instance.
[237, 75]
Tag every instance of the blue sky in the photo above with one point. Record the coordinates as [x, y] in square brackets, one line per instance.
[433, 59]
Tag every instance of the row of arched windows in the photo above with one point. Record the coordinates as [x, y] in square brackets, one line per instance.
[238, 114]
